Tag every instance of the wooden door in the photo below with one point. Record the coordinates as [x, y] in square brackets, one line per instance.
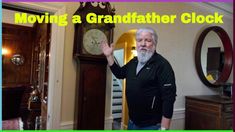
[213, 62]
[213, 58]
[90, 96]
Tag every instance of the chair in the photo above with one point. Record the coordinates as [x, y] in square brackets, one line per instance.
[14, 106]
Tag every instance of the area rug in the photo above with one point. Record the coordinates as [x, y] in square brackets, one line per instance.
[12, 124]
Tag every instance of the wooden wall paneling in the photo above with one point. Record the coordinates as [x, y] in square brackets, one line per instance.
[18, 39]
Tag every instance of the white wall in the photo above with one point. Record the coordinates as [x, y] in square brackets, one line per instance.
[176, 43]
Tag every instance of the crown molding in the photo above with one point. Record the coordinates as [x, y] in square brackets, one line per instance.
[224, 8]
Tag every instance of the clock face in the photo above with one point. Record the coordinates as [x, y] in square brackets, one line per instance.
[92, 40]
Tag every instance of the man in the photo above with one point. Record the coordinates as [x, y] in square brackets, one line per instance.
[150, 83]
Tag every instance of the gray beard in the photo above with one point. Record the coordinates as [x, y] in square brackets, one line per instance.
[144, 56]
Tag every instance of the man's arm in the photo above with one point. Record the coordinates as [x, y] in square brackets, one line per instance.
[110, 60]
[168, 90]
[165, 124]
[108, 52]
[119, 72]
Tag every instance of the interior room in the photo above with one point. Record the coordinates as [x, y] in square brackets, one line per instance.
[25, 57]
[49, 80]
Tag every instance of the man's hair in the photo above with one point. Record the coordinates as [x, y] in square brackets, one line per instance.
[150, 30]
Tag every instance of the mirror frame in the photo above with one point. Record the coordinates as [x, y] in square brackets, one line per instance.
[228, 54]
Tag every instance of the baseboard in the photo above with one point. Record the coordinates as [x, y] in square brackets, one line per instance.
[108, 123]
[68, 125]
[179, 114]
[178, 119]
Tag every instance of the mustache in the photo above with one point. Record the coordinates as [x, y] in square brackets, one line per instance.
[143, 48]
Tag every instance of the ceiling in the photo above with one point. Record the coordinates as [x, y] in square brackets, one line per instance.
[227, 7]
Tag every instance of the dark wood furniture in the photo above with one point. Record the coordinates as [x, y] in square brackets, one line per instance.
[17, 40]
[91, 68]
[15, 102]
[208, 112]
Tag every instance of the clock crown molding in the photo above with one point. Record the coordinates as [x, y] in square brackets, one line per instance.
[103, 8]
[100, 5]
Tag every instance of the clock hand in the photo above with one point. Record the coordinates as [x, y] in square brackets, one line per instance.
[95, 41]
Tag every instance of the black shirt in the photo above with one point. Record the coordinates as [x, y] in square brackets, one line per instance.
[150, 93]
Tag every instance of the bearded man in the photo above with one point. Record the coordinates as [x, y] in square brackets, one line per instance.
[150, 83]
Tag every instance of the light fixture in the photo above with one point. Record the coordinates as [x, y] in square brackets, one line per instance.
[5, 51]
[133, 50]
[17, 59]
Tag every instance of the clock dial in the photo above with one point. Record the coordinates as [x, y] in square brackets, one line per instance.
[92, 40]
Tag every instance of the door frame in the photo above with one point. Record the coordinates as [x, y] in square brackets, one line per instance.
[55, 63]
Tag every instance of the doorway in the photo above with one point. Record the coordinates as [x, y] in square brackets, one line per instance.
[117, 85]
[56, 63]
[123, 53]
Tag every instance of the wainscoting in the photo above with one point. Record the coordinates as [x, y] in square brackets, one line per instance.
[68, 125]
[177, 121]
[108, 123]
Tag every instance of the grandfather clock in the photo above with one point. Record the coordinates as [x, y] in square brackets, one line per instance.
[91, 65]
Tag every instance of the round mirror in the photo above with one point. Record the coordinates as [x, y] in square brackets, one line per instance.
[17, 59]
[214, 56]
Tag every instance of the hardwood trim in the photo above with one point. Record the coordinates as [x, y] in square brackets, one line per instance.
[21, 9]
[20, 27]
